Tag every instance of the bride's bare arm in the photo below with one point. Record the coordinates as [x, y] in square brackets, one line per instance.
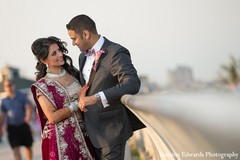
[53, 115]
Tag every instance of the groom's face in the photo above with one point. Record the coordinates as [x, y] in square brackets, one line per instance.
[78, 40]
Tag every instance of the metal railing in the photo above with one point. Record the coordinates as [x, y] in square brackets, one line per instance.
[185, 126]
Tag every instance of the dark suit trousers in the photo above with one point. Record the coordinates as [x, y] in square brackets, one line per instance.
[111, 152]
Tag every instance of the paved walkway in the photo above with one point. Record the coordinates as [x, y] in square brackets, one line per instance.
[6, 152]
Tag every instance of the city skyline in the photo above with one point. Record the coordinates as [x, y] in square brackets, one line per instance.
[160, 35]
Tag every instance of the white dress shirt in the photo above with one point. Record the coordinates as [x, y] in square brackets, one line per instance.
[88, 67]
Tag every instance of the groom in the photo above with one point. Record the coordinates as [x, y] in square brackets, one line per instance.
[111, 74]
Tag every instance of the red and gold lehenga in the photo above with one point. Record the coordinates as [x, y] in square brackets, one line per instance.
[66, 140]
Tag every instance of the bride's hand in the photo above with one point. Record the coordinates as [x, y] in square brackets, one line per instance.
[83, 90]
[82, 98]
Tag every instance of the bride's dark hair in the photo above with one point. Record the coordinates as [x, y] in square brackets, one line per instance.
[40, 49]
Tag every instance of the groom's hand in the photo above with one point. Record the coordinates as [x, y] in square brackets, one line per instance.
[85, 101]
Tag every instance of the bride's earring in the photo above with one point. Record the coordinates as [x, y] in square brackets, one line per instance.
[47, 68]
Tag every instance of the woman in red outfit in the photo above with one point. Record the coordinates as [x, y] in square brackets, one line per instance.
[56, 94]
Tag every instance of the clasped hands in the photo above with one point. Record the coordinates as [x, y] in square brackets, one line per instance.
[84, 100]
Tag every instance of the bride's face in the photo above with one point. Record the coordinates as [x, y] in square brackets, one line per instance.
[55, 57]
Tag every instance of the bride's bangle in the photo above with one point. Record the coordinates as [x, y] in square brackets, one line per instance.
[73, 106]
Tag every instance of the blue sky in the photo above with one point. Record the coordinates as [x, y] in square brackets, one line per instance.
[160, 34]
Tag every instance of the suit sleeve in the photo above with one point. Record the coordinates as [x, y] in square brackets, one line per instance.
[127, 80]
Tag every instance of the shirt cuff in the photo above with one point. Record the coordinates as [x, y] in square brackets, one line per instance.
[103, 99]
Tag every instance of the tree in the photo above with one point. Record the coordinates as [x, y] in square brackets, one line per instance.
[233, 71]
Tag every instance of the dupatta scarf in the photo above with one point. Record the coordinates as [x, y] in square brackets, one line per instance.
[64, 140]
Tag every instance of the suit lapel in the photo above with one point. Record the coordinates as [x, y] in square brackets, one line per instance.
[82, 59]
[104, 48]
[105, 44]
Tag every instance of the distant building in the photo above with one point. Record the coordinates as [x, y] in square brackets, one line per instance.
[13, 73]
[146, 85]
[182, 76]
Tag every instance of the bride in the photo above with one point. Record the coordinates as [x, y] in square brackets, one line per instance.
[56, 94]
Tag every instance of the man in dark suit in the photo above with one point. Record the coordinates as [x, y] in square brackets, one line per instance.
[107, 66]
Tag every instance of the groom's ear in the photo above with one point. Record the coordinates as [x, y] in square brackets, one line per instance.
[86, 34]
